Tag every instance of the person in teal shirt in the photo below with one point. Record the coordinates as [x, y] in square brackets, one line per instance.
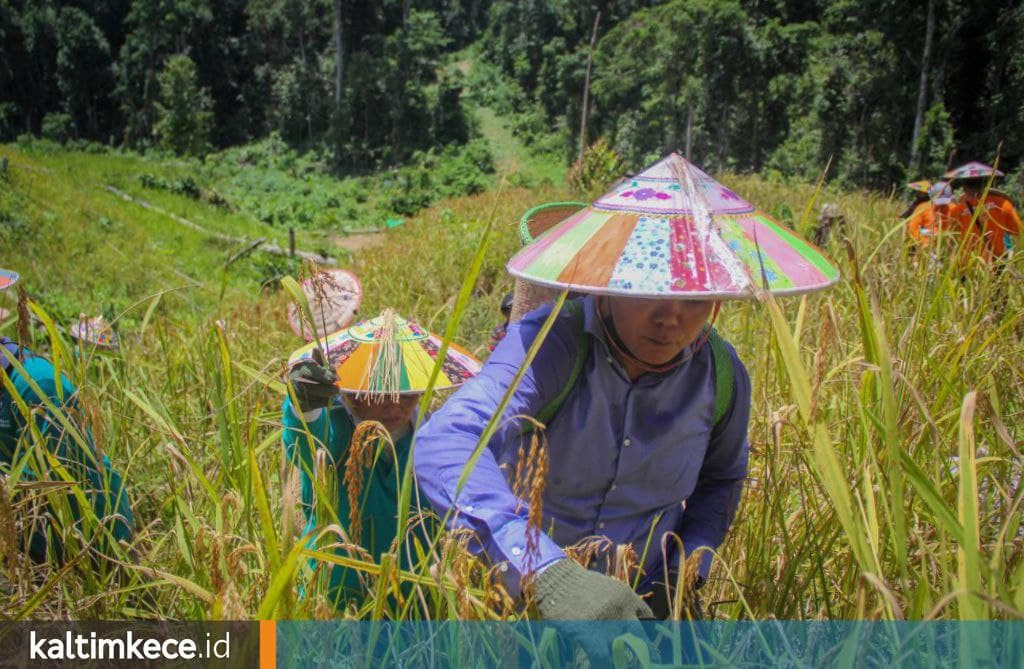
[331, 428]
[35, 381]
[330, 402]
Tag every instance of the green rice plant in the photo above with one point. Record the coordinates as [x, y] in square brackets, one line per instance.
[885, 470]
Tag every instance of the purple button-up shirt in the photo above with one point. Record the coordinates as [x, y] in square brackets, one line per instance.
[633, 461]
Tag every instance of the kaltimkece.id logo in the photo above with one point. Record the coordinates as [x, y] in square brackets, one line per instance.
[129, 646]
[125, 643]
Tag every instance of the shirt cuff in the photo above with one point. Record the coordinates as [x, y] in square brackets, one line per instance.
[511, 541]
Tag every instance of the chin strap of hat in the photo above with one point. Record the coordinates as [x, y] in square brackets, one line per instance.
[619, 347]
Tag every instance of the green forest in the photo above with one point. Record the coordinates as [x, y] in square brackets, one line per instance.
[884, 90]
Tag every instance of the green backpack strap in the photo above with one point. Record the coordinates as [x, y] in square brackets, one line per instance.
[724, 379]
[582, 351]
[720, 356]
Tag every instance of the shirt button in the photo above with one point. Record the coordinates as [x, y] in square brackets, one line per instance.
[469, 509]
[504, 567]
[626, 442]
[517, 551]
[615, 486]
[600, 525]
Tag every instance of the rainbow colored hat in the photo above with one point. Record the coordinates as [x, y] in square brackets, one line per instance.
[391, 355]
[673, 232]
[334, 297]
[920, 186]
[95, 332]
[973, 170]
[8, 278]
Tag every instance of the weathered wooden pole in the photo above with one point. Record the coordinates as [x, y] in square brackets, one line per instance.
[586, 89]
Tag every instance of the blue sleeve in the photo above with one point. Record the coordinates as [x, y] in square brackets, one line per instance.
[445, 443]
[712, 506]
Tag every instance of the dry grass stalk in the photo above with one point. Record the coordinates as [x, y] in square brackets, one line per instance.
[459, 571]
[8, 532]
[589, 549]
[685, 594]
[626, 563]
[345, 543]
[323, 285]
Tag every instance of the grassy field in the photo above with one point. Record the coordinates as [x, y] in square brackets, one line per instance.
[885, 470]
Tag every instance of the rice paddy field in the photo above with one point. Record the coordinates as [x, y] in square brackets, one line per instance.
[885, 472]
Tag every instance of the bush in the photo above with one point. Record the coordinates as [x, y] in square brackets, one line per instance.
[598, 169]
[456, 171]
[57, 127]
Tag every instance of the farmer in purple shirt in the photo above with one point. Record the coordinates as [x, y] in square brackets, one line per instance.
[645, 406]
[634, 451]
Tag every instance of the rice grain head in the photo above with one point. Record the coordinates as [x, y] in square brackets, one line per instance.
[360, 456]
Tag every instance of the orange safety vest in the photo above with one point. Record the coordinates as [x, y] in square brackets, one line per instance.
[928, 219]
[994, 229]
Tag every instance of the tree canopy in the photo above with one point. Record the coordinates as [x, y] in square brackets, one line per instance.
[883, 89]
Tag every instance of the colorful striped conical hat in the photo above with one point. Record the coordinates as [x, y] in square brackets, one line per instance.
[973, 170]
[7, 278]
[673, 232]
[334, 297]
[390, 355]
[920, 186]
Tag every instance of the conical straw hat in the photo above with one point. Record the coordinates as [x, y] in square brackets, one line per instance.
[973, 170]
[673, 232]
[528, 296]
[334, 297]
[96, 332]
[7, 278]
[390, 355]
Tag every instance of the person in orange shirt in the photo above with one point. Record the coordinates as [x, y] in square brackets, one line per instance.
[990, 225]
[932, 212]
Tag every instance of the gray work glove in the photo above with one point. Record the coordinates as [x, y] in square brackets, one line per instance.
[313, 381]
[567, 591]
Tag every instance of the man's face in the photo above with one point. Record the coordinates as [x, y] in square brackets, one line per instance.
[392, 415]
[972, 189]
[655, 331]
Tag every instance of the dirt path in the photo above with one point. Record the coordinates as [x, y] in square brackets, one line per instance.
[359, 241]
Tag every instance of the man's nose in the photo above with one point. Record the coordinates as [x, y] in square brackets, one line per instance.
[669, 313]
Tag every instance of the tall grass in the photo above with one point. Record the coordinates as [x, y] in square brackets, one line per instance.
[885, 465]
